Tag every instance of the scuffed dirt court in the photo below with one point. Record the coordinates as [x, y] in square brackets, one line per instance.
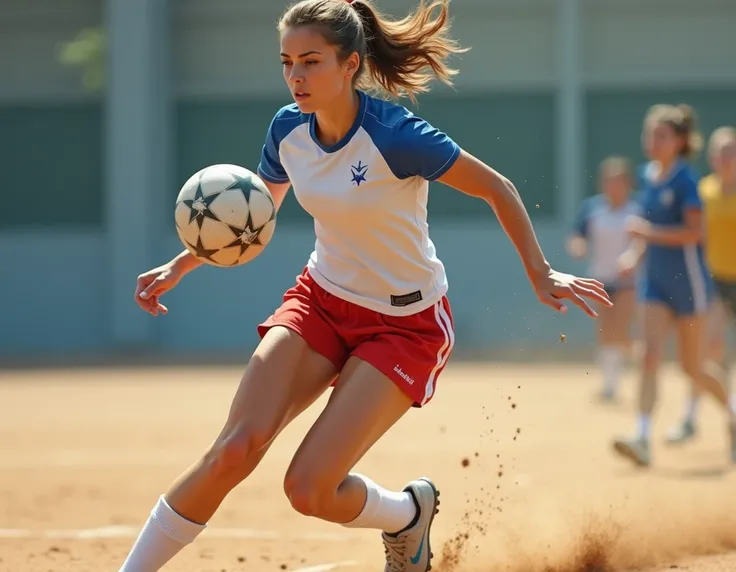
[85, 453]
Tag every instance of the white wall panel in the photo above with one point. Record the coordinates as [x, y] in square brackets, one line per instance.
[658, 42]
[30, 34]
[231, 48]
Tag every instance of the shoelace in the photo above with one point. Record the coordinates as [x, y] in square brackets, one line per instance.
[395, 549]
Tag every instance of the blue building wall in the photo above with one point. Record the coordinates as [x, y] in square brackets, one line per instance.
[65, 309]
[87, 205]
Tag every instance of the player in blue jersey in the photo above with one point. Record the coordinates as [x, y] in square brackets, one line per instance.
[718, 193]
[676, 287]
[369, 313]
[600, 233]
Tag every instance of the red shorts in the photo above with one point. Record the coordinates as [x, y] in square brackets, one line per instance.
[410, 350]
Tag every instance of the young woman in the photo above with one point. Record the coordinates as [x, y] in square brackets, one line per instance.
[676, 285]
[369, 313]
[718, 194]
[601, 234]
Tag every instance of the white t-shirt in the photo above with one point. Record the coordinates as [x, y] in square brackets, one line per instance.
[368, 197]
[605, 230]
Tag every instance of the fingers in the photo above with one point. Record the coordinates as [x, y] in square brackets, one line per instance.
[147, 294]
[591, 282]
[592, 289]
[150, 305]
[154, 307]
[155, 288]
[581, 303]
[553, 302]
[594, 292]
[570, 294]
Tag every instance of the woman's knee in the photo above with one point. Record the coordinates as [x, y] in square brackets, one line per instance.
[309, 491]
[233, 454]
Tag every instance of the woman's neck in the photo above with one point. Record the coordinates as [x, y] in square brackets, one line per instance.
[617, 203]
[332, 124]
[665, 168]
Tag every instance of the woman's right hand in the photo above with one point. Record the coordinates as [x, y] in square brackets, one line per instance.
[154, 284]
[627, 264]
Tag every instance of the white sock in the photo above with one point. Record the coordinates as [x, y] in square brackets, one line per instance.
[644, 427]
[384, 510]
[163, 536]
[610, 359]
[691, 413]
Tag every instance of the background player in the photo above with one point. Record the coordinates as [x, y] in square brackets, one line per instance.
[718, 194]
[601, 234]
[676, 285]
[370, 308]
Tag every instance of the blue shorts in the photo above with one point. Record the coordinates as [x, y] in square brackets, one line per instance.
[684, 295]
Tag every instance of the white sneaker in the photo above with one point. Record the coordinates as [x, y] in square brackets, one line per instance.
[681, 433]
[409, 550]
[635, 449]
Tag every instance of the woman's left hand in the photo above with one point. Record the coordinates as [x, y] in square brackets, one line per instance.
[553, 286]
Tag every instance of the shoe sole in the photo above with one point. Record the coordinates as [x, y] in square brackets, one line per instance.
[679, 440]
[625, 450]
[435, 510]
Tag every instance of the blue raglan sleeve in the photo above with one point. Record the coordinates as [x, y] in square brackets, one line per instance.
[270, 168]
[580, 224]
[688, 187]
[419, 149]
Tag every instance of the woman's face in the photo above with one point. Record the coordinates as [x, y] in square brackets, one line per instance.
[660, 142]
[616, 187]
[723, 160]
[314, 73]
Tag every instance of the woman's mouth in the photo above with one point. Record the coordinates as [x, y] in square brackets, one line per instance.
[300, 95]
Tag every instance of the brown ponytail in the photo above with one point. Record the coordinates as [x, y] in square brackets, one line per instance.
[401, 57]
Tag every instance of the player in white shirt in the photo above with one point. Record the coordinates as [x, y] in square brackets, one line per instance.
[369, 313]
[601, 234]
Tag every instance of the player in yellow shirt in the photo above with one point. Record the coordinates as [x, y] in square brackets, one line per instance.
[718, 195]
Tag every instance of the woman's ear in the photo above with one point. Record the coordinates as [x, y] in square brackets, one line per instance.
[353, 63]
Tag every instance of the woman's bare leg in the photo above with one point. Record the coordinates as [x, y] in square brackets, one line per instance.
[364, 405]
[716, 364]
[657, 323]
[692, 350]
[614, 339]
[282, 379]
[692, 341]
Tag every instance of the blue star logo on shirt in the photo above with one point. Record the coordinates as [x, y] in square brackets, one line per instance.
[359, 172]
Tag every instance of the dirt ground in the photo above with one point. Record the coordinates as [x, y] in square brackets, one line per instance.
[84, 454]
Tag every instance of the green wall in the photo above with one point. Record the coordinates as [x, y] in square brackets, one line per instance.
[514, 133]
[51, 160]
[61, 145]
[614, 120]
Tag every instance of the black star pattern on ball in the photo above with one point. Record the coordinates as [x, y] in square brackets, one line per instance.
[244, 237]
[200, 207]
[201, 252]
[243, 184]
[246, 186]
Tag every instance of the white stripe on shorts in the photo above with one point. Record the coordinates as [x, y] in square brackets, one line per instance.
[695, 276]
[445, 324]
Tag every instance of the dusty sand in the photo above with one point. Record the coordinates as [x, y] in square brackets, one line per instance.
[83, 460]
